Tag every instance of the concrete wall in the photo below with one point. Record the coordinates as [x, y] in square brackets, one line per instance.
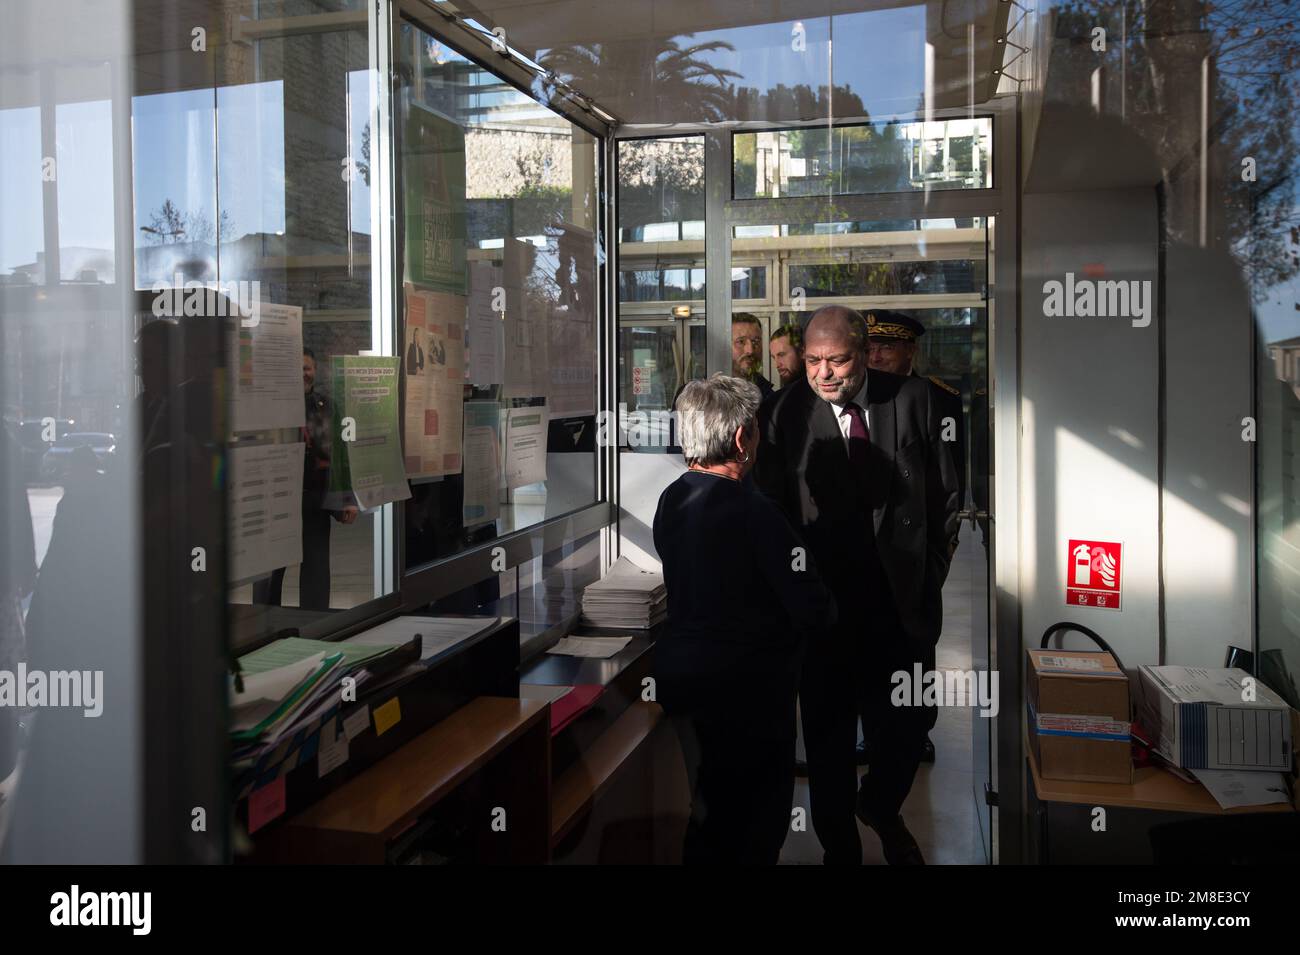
[1208, 544]
[1089, 415]
[1092, 436]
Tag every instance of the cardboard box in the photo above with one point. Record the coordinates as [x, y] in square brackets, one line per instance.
[1079, 716]
[1201, 718]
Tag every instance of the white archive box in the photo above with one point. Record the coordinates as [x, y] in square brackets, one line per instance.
[1205, 718]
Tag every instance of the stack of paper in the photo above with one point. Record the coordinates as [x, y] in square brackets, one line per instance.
[600, 648]
[626, 597]
[290, 682]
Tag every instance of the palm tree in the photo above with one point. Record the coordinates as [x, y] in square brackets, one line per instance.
[650, 72]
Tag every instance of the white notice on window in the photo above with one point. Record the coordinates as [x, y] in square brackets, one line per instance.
[527, 371]
[266, 370]
[525, 446]
[265, 508]
[485, 337]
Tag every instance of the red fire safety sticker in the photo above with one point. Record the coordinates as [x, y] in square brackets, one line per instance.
[1092, 574]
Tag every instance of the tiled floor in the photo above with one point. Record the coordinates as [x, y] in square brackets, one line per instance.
[941, 810]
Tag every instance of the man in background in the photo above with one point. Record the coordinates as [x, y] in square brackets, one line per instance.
[892, 346]
[314, 572]
[786, 349]
[747, 351]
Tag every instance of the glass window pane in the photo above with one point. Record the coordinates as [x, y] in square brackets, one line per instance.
[749, 281]
[83, 137]
[661, 189]
[173, 153]
[661, 260]
[737, 66]
[866, 158]
[270, 194]
[913, 262]
[499, 223]
[888, 278]
[649, 367]
[22, 227]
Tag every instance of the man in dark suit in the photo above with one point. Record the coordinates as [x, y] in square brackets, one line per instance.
[414, 356]
[891, 346]
[859, 466]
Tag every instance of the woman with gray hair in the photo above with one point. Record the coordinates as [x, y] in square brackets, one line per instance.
[742, 596]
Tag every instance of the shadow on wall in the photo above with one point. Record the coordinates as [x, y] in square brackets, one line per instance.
[1136, 358]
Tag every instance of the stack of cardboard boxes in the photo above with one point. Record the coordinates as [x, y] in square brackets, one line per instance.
[1079, 716]
[1197, 717]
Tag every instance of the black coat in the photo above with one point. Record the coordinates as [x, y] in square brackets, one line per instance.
[910, 497]
[740, 605]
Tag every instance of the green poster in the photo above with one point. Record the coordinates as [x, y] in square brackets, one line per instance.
[482, 463]
[367, 443]
[433, 176]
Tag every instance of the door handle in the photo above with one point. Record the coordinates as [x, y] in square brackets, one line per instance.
[974, 515]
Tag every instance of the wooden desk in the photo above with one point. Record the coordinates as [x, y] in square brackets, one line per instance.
[499, 743]
[620, 793]
[583, 782]
[1152, 788]
[1064, 824]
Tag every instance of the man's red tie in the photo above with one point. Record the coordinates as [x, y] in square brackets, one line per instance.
[859, 438]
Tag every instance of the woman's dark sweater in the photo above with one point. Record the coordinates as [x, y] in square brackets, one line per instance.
[741, 601]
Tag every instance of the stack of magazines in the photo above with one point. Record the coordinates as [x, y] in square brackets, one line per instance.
[627, 597]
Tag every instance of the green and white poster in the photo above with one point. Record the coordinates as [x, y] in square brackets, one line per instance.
[367, 442]
[433, 179]
[482, 457]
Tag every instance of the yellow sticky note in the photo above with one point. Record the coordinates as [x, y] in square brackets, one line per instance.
[387, 716]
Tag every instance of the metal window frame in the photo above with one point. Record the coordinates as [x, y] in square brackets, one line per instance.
[444, 20]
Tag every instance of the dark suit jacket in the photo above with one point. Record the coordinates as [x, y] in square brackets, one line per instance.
[910, 500]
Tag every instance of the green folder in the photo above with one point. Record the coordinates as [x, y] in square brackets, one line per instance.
[293, 649]
[290, 703]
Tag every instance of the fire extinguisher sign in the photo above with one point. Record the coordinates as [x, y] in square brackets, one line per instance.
[1092, 574]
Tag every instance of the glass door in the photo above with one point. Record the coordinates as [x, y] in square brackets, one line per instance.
[654, 361]
[935, 269]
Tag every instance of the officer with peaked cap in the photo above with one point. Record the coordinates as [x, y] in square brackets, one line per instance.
[891, 347]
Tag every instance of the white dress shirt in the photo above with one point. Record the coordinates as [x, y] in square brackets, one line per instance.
[860, 399]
